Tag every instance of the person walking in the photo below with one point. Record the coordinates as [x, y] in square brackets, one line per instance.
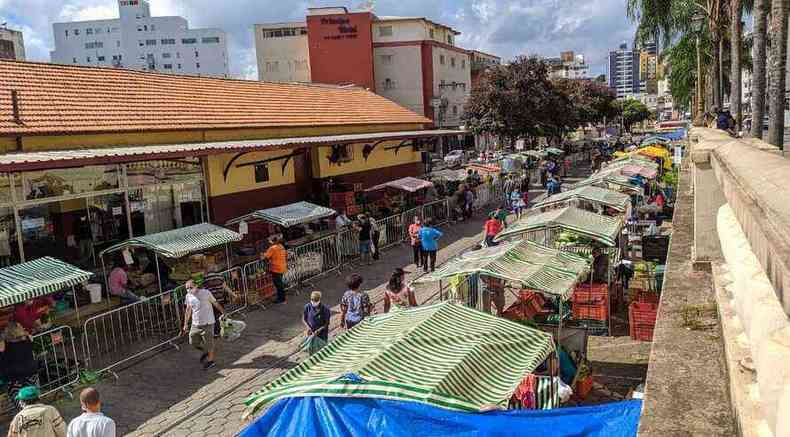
[469, 202]
[398, 294]
[364, 228]
[36, 419]
[198, 310]
[375, 234]
[355, 304]
[316, 317]
[510, 184]
[501, 215]
[91, 423]
[492, 227]
[278, 265]
[429, 238]
[414, 237]
[517, 202]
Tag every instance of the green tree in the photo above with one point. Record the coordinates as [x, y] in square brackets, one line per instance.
[776, 72]
[758, 66]
[633, 111]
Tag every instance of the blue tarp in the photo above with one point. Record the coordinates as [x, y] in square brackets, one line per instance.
[358, 417]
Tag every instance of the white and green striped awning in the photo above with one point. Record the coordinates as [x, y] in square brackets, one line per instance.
[290, 215]
[611, 181]
[598, 227]
[537, 154]
[632, 160]
[533, 265]
[37, 278]
[590, 193]
[554, 150]
[181, 242]
[445, 354]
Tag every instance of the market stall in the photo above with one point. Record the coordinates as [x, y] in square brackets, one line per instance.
[209, 244]
[378, 358]
[395, 197]
[298, 223]
[447, 181]
[613, 182]
[554, 151]
[589, 197]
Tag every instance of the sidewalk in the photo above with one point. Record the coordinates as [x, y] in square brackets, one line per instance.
[169, 393]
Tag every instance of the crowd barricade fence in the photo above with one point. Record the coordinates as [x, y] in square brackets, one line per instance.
[128, 332]
[310, 260]
[55, 351]
[234, 279]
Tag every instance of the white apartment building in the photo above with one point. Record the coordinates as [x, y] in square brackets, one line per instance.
[139, 41]
[569, 66]
[282, 52]
[12, 45]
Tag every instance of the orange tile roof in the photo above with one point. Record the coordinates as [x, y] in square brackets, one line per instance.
[71, 99]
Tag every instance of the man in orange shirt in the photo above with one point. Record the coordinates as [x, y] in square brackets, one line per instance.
[278, 265]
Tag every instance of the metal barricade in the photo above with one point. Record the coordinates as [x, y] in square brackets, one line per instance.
[55, 352]
[408, 219]
[123, 334]
[348, 245]
[438, 211]
[313, 259]
[234, 279]
[392, 231]
[258, 283]
[482, 196]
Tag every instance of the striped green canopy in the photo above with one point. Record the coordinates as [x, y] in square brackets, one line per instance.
[611, 181]
[612, 199]
[537, 154]
[535, 266]
[589, 224]
[181, 242]
[290, 215]
[445, 354]
[37, 278]
[554, 150]
[633, 160]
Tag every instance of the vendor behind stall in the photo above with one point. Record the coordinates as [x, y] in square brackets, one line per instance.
[164, 270]
[18, 366]
[29, 314]
[118, 282]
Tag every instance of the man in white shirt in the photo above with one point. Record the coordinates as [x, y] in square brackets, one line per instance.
[91, 423]
[199, 302]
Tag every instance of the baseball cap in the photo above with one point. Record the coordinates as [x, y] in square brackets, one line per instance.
[28, 393]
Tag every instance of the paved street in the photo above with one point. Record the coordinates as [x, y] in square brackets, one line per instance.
[169, 393]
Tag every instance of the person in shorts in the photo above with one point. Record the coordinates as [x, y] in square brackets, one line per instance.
[200, 304]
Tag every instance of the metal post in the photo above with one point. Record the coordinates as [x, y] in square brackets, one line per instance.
[106, 280]
[158, 278]
[76, 307]
[17, 220]
[227, 255]
[128, 207]
[440, 291]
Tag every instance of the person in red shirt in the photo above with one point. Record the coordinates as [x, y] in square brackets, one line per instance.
[492, 227]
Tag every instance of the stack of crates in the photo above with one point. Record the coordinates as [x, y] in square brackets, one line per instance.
[345, 201]
[591, 302]
[642, 320]
[261, 286]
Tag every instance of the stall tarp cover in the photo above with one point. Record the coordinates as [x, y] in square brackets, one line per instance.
[336, 417]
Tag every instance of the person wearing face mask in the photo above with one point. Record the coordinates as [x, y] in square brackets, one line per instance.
[316, 317]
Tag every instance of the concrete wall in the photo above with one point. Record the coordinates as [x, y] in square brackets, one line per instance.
[402, 65]
[289, 52]
[456, 68]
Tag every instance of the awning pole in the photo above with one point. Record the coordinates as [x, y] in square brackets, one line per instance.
[76, 307]
[158, 277]
[106, 281]
[227, 255]
[17, 221]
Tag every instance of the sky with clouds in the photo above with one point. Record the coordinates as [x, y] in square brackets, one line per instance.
[504, 27]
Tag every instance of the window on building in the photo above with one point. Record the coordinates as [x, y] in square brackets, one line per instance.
[167, 55]
[168, 41]
[463, 64]
[139, 28]
[89, 31]
[188, 40]
[441, 59]
[74, 60]
[388, 84]
[167, 66]
[455, 110]
[145, 28]
[88, 59]
[303, 31]
[67, 32]
[431, 34]
[153, 27]
[150, 42]
[452, 62]
[99, 30]
[441, 82]
[386, 59]
[178, 55]
[385, 31]
[197, 65]
[140, 42]
[179, 66]
[117, 43]
[76, 32]
[116, 29]
[210, 40]
[261, 173]
[449, 39]
[100, 58]
[197, 54]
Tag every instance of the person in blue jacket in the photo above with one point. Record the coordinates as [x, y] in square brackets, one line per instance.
[429, 239]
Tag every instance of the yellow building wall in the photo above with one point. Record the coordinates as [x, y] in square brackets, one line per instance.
[380, 158]
[85, 141]
[242, 179]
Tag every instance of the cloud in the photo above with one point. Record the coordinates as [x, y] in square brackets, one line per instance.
[504, 27]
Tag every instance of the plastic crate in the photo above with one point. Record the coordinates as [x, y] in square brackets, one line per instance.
[642, 320]
[594, 310]
[642, 332]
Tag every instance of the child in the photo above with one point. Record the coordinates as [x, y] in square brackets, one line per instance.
[517, 202]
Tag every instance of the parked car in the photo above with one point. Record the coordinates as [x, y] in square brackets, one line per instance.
[455, 158]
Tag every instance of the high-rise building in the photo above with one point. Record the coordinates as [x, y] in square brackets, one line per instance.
[623, 71]
[139, 41]
[569, 66]
[412, 61]
[12, 45]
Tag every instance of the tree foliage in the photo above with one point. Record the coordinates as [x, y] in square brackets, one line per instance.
[518, 100]
[633, 111]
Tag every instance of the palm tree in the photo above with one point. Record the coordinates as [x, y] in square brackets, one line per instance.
[758, 67]
[736, 37]
[776, 72]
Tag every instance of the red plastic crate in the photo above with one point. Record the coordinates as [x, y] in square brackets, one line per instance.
[642, 320]
[642, 333]
[594, 310]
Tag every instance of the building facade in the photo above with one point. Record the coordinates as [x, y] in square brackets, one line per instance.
[623, 72]
[138, 41]
[75, 179]
[410, 60]
[569, 66]
[12, 44]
